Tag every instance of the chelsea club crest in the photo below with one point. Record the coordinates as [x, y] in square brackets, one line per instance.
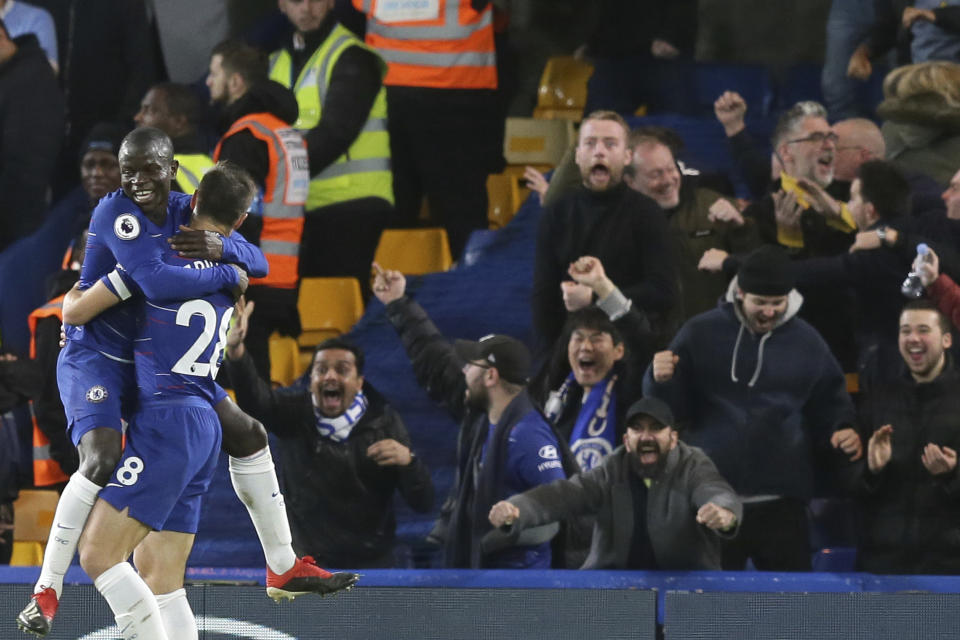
[96, 393]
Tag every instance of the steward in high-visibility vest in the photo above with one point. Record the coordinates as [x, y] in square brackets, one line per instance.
[284, 194]
[445, 44]
[192, 168]
[446, 115]
[46, 470]
[364, 170]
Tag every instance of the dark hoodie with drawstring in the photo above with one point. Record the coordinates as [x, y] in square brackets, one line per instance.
[757, 404]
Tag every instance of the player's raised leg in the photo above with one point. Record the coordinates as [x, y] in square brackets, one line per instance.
[255, 481]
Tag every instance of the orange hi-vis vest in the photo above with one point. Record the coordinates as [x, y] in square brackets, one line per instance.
[444, 44]
[284, 195]
[46, 471]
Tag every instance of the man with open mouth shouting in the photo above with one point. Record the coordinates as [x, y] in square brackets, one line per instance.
[664, 499]
[759, 390]
[604, 218]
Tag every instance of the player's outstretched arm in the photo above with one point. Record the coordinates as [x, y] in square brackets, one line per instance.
[80, 307]
[141, 254]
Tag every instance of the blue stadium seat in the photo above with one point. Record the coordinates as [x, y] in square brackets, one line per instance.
[799, 82]
[752, 81]
[835, 560]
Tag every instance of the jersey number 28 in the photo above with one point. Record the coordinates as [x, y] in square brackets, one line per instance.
[187, 364]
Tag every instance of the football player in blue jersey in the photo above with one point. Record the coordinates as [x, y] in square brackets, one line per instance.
[95, 371]
[173, 438]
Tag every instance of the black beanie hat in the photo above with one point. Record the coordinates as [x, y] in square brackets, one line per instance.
[766, 272]
[103, 136]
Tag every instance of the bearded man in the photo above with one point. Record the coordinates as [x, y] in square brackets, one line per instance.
[644, 496]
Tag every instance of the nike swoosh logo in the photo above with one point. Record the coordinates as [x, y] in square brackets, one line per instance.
[274, 494]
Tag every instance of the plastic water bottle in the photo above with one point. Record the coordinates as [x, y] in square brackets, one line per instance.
[912, 286]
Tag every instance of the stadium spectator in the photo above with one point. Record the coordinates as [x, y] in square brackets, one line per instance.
[256, 122]
[21, 17]
[595, 373]
[848, 24]
[186, 32]
[504, 446]
[31, 122]
[344, 452]
[804, 148]
[338, 82]
[879, 197]
[638, 50]
[175, 110]
[726, 377]
[664, 497]
[699, 219]
[919, 31]
[446, 118]
[907, 486]
[605, 219]
[919, 112]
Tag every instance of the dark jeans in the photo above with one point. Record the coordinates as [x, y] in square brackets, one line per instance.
[443, 145]
[774, 534]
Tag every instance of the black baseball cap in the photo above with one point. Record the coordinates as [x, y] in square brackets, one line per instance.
[653, 407]
[508, 355]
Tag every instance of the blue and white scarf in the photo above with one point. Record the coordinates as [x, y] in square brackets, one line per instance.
[338, 429]
[594, 432]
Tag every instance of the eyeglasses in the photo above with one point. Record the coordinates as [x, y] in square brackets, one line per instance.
[817, 137]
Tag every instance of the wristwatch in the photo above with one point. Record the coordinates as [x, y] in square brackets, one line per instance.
[882, 235]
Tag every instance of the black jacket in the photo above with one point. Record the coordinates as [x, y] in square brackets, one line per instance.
[339, 501]
[31, 132]
[909, 520]
[875, 276]
[626, 231]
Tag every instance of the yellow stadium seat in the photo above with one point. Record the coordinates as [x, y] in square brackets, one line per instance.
[414, 251]
[26, 553]
[328, 308]
[853, 382]
[563, 89]
[532, 141]
[503, 199]
[284, 359]
[32, 517]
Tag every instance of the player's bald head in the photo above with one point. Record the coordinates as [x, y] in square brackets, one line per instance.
[147, 141]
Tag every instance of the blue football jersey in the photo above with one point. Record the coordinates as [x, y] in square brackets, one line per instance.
[179, 345]
[120, 234]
